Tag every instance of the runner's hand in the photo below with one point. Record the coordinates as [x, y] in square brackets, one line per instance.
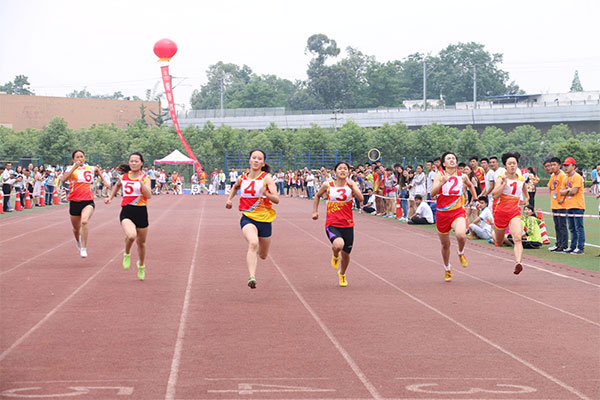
[315, 216]
[228, 204]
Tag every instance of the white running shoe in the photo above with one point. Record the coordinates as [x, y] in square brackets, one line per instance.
[83, 253]
[78, 245]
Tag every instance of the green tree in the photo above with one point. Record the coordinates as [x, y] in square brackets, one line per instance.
[554, 137]
[494, 141]
[574, 148]
[56, 140]
[209, 95]
[19, 86]
[526, 140]
[469, 144]
[576, 84]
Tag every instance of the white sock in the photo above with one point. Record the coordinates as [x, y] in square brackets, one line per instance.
[461, 252]
[447, 267]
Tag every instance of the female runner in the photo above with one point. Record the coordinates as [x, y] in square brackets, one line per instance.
[81, 198]
[507, 213]
[257, 192]
[339, 223]
[134, 213]
[450, 183]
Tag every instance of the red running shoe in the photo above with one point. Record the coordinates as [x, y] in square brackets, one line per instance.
[518, 269]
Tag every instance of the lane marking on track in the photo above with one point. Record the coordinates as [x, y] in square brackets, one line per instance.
[416, 233]
[15, 218]
[174, 373]
[30, 232]
[490, 283]
[357, 371]
[460, 325]
[55, 309]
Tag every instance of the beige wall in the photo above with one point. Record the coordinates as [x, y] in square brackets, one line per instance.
[22, 112]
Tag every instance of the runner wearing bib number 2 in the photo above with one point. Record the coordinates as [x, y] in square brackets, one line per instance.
[257, 192]
[339, 223]
[448, 186]
[134, 213]
[507, 213]
[81, 198]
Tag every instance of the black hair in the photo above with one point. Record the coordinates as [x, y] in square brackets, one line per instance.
[529, 207]
[493, 158]
[437, 159]
[484, 199]
[462, 164]
[443, 158]
[419, 165]
[474, 158]
[397, 165]
[531, 170]
[556, 160]
[340, 163]
[547, 161]
[77, 151]
[389, 169]
[266, 167]
[124, 168]
[418, 197]
[484, 159]
[506, 156]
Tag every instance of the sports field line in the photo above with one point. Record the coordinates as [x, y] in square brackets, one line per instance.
[353, 365]
[460, 325]
[30, 232]
[176, 361]
[586, 244]
[17, 219]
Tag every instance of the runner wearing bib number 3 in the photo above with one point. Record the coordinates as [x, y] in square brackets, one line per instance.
[507, 213]
[257, 192]
[448, 186]
[339, 223]
[134, 213]
[81, 198]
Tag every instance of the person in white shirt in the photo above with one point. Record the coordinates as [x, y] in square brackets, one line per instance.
[481, 228]
[233, 175]
[423, 215]
[490, 179]
[8, 179]
[310, 184]
[369, 204]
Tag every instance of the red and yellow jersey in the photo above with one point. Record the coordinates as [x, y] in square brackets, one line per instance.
[339, 206]
[451, 194]
[252, 204]
[80, 184]
[511, 194]
[480, 174]
[132, 191]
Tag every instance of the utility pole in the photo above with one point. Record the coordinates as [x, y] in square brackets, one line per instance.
[222, 97]
[474, 86]
[424, 85]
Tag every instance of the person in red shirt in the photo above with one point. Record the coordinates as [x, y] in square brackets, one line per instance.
[134, 211]
[81, 198]
[339, 223]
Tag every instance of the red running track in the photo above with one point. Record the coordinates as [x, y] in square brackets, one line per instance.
[87, 329]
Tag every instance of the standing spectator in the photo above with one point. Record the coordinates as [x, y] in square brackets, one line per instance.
[596, 180]
[222, 180]
[389, 191]
[481, 227]
[530, 182]
[153, 174]
[490, 180]
[8, 178]
[37, 186]
[280, 181]
[423, 215]
[403, 185]
[202, 181]
[432, 168]
[233, 176]
[557, 180]
[471, 209]
[50, 177]
[412, 207]
[478, 171]
[574, 202]
[310, 185]
[107, 178]
[214, 182]
[18, 185]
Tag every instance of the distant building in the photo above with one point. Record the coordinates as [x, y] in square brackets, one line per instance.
[20, 112]
[531, 100]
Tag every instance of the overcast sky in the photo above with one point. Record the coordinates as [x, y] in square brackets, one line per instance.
[106, 46]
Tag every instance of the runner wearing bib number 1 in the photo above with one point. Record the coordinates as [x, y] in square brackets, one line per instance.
[257, 192]
[339, 223]
[134, 213]
[507, 213]
[448, 186]
[81, 198]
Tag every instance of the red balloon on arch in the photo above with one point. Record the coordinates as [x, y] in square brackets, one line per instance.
[165, 49]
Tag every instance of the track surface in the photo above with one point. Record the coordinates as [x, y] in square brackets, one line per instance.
[87, 329]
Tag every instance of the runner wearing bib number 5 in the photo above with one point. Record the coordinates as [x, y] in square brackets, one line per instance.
[257, 192]
[339, 223]
[81, 198]
[134, 213]
[448, 186]
[507, 211]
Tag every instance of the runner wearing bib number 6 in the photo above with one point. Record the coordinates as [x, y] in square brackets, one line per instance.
[507, 211]
[81, 199]
[339, 223]
[257, 193]
[134, 213]
[448, 186]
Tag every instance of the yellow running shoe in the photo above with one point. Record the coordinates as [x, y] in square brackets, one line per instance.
[141, 271]
[343, 280]
[463, 260]
[335, 262]
[126, 261]
[448, 275]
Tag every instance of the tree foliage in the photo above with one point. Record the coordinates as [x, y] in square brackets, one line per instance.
[576, 84]
[20, 85]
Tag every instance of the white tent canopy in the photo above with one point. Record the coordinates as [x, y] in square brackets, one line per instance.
[176, 157]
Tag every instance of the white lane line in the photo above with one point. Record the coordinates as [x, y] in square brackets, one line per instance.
[16, 218]
[30, 232]
[585, 244]
[55, 309]
[460, 325]
[489, 283]
[174, 373]
[416, 233]
[357, 371]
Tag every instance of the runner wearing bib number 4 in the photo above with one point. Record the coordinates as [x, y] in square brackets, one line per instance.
[448, 186]
[507, 211]
[257, 193]
[339, 223]
[134, 213]
[81, 198]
